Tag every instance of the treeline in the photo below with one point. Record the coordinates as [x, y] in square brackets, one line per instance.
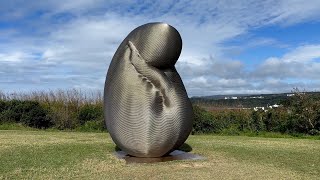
[77, 110]
[248, 101]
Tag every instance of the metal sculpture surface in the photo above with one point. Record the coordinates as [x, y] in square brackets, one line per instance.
[147, 110]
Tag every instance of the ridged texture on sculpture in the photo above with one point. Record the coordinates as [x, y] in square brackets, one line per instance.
[147, 110]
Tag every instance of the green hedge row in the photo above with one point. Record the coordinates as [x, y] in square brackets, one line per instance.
[300, 114]
[52, 115]
[239, 120]
[29, 113]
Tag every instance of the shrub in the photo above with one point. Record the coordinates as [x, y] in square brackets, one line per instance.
[204, 121]
[304, 113]
[3, 106]
[34, 115]
[29, 113]
[94, 125]
[63, 117]
[257, 121]
[90, 112]
[13, 112]
[8, 116]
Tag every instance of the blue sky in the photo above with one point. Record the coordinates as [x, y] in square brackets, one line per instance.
[229, 47]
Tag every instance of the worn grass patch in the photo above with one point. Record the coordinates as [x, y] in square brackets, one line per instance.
[66, 155]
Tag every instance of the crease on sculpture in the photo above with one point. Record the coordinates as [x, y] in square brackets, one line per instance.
[157, 79]
[147, 110]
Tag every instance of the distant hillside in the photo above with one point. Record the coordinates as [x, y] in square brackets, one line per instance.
[243, 100]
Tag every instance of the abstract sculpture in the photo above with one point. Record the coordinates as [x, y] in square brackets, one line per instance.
[147, 110]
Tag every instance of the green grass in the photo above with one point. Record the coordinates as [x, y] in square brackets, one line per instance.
[85, 155]
[270, 135]
[16, 126]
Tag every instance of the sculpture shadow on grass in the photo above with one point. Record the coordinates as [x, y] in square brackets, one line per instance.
[182, 153]
[184, 147]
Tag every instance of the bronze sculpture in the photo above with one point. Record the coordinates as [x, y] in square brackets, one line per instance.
[147, 110]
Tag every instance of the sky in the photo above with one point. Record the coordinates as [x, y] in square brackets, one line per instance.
[229, 46]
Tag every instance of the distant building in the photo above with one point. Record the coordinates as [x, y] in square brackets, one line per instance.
[257, 97]
[233, 97]
[274, 106]
[257, 108]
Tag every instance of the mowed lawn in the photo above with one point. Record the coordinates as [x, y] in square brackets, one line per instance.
[76, 155]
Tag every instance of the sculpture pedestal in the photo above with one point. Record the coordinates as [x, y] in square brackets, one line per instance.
[175, 155]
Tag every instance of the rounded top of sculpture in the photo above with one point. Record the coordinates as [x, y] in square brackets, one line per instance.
[158, 43]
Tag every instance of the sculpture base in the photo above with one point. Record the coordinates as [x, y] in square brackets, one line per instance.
[175, 155]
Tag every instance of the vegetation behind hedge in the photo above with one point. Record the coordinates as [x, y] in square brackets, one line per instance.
[300, 114]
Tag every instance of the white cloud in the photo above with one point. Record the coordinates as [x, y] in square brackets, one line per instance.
[76, 52]
[295, 11]
[301, 62]
[303, 54]
[13, 57]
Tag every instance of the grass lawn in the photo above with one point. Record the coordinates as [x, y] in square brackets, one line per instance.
[81, 155]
